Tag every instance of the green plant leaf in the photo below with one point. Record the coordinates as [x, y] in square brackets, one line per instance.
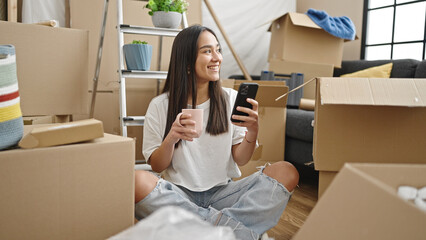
[139, 42]
[179, 6]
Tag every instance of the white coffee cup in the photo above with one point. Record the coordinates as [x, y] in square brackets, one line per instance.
[197, 116]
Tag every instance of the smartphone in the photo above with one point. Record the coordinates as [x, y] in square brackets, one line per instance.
[246, 90]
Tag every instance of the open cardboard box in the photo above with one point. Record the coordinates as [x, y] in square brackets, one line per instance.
[75, 191]
[362, 203]
[295, 37]
[272, 122]
[368, 120]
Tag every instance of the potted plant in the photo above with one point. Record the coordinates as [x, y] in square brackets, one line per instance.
[167, 13]
[138, 55]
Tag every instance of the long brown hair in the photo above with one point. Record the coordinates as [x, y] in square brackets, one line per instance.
[181, 80]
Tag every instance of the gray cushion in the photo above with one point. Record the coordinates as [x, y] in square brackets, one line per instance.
[421, 70]
[402, 68]
[298, 124]
[297, 151]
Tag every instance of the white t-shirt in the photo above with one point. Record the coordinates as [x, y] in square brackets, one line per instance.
[203, 163]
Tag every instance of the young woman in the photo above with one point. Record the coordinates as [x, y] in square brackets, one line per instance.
[197, 172]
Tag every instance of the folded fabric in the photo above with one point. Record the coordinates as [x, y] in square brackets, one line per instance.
[11, 123]
[341, 27]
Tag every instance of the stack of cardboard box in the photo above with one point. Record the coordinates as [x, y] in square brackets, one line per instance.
[299, 45]
[369, 139]
[369, 136]
[368, 120]
[77, 191]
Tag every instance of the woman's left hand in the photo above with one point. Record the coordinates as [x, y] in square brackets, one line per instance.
[250, 121]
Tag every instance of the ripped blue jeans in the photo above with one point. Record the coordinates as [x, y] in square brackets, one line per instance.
[249, 206]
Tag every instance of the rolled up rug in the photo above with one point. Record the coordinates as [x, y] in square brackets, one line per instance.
[11, 123]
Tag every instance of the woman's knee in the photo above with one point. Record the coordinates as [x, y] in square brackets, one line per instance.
[285, 173]
[145, 182]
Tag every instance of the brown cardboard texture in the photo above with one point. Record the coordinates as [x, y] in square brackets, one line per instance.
[369, 120]
[362, 203]
[62, 118]
[272, 116]
[77, 191]
[34, 120]
[295, 37]
[324, 180]
[47, 119]
[62, 133]
[52, 67]
[309, 70]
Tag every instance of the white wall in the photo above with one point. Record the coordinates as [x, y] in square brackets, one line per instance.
[246, 24]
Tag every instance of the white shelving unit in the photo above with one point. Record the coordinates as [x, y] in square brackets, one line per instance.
[124, 73]
[122, 29]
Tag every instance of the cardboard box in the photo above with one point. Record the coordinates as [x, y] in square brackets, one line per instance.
[362, 203]
[107, 110]
[77, 191]
[46, 119]
[62, 118]
[62, 133]
[272, 122]
[309, 70]
[295, 37]
[324, 180]
[369, 120]
[34, 120]
[52, 67]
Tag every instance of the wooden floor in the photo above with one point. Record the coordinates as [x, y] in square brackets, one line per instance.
[298, 208]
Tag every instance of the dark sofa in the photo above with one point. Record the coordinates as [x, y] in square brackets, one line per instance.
[299, 127]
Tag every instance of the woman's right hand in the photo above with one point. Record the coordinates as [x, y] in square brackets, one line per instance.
[180, 130]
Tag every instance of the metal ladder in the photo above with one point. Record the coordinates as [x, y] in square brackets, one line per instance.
[122, 72]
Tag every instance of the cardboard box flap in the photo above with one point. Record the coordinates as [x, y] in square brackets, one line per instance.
[266, 97]
[267, 92]
[373, 91]
[302, 20]
[393, 175]
[375, 212]
[298, 19]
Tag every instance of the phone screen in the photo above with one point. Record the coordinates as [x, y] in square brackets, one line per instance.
[246, 90]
